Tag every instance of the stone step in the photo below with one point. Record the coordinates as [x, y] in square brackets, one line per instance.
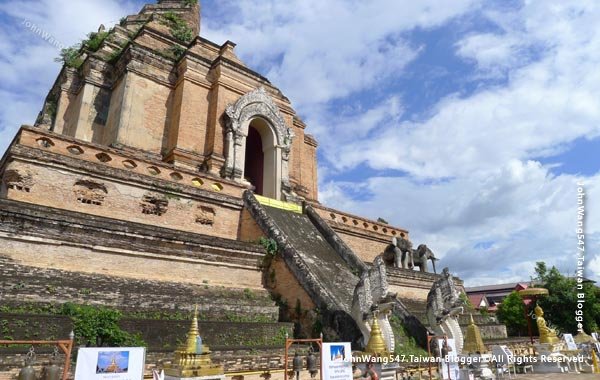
[44, 286]
[157, 334]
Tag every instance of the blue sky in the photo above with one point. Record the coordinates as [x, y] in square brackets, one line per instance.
[468, 123]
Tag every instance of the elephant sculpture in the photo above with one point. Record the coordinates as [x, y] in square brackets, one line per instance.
[399, 253]
[420, 257]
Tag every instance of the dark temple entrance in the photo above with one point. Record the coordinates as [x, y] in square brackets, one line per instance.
[254, 160]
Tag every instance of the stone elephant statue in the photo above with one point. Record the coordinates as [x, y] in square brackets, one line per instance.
[420, 257]
[399, 253]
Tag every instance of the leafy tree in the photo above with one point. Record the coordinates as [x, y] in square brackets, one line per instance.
[560, 305]
[511, 312]
[99, 326]
[468, 305]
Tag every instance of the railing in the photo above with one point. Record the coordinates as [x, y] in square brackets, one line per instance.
[65, 345]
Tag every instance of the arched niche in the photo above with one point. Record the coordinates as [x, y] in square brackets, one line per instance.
[256, 110]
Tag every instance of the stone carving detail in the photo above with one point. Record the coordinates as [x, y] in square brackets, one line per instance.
[205, 215]
[421, 255]
[90, 192]
[372, 299]
[256, 103]
[154, 204]
[399, 253]
[15, 180]
[443, 308]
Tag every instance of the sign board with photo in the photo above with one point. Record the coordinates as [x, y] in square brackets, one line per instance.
[114, 363]
[337, 361]
[571, 345]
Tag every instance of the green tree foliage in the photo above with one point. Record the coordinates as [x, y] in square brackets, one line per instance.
[560, 305]
[99, 326]
[511, 312]
[467, 302]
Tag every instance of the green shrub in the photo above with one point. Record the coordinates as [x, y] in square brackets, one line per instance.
[99, 326]
[179, 28]
[71, 56]
[94, 41]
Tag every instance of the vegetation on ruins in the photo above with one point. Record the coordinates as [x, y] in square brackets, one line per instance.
[190, 3]
[179, 28]
[94, 41]
[71, 56]
[269, 245]
[404, 343]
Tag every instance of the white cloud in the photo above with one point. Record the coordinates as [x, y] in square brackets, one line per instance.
[316, 51]
[522, 212]
[27, 67]
[478, 151]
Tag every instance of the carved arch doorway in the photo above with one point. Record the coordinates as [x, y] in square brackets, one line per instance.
[256, 114]
[262, 159]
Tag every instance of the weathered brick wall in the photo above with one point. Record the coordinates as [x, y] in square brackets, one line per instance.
[283, 282]
[27, 284]
[367, 238]
[308, 168]
[159, 335]
[249, 229]
[123, 188]
[62, 240]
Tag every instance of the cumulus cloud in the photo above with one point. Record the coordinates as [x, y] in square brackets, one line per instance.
[473, 189]
[318, 51]
[33, 32]
[490, 227]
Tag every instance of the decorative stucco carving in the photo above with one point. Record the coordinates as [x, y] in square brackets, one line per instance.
[18, 180]
[205, 215]
[256, 104]
[443, 308]
[90, 192]
[154, 204]
[372, 299]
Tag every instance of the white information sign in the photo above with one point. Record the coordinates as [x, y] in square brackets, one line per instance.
[114, 363]
[337, 361]
[571, 345]
[450, 369]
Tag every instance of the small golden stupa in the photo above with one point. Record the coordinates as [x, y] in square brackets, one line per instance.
[113, 367]
[473, 341]
[192, 361]
[376, 345]
[582, 337]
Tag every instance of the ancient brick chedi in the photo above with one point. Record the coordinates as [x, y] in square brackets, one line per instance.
[143, 167]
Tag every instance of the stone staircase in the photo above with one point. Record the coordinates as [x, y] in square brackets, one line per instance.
[323, 264]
